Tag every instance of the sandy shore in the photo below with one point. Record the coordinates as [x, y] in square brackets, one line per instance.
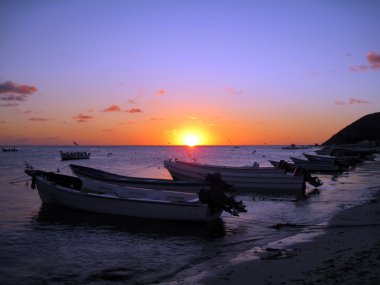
[348, 252]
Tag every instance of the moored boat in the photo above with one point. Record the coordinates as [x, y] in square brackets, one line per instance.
[294, 146]
[310, 166]
[9, 149]
[347, 150]
[340, 160]
[151, 183]
[222, 169]
[104, 198]
[270, 180]
[73, 155]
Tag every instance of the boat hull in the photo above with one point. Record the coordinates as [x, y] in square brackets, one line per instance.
[317, 165]
[114, 205]
[74, 155]
[272, 182]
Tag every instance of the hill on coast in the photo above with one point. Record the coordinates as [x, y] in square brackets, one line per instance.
[366, 128]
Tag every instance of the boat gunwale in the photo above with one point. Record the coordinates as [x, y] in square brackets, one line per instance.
[132, 180]
[53, 186]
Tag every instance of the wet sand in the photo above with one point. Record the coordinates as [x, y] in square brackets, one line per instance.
[347, 253]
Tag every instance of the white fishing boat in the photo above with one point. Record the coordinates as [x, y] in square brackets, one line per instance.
[103, 198]
[347, 150]
[249, 169]
[312, 157]
[73, 155]
[317, 165]
[268, 180]
[293, 146]
[151, 183]
[340, 160]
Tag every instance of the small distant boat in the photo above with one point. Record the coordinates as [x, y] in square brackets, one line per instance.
[74, 155]
[151, 183]
[9, 149]
[293, 146]
[104, 198]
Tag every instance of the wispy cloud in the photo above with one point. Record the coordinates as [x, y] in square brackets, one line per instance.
[156, 119]
[374, 60]
[38, 119]
[232, 90]
[113, 108]
[173, 132]
[131, 101]
[315, 73]
[357, 101]
[359, 68]
[339, 102]
[126, 123]
[8, 104]
[14, 88]
[10, 91]
[161, 92]
[373, 63]
[351, 101]
[28, 112]
[80, 118]
[51, 138]
[134, 110]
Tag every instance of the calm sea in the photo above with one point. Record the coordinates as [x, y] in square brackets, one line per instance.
[48, 245]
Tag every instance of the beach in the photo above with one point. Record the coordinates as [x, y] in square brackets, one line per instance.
[347, 252]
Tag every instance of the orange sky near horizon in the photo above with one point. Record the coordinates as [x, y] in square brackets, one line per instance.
[113, 129]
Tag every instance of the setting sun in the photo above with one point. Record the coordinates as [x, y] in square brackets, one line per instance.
[191, 140]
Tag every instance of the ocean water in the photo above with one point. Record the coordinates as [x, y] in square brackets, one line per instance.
[41, 244]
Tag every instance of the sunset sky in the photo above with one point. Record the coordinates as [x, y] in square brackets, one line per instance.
[123, 72]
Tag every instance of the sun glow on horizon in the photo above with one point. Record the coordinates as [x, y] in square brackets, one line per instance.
[191, 140]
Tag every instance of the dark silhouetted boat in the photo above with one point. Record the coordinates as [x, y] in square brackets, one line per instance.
[73, 155]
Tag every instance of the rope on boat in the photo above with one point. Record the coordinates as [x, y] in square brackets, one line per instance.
[18, 181]
[59, 169]
[143, 168]
[15, 180]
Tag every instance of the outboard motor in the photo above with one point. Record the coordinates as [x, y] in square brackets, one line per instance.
[315, 181]
[216, 198]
